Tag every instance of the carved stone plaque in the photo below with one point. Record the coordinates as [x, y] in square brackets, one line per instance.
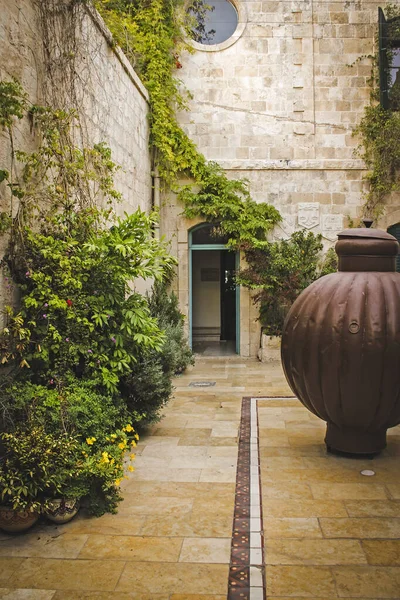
[285, 228]
[308, 214]
[332, 223]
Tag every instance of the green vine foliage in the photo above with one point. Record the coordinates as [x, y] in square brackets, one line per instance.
[72, 262]
[151, 35]
[279, 271]
[379, 131]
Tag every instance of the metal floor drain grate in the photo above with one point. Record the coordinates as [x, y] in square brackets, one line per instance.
[202, 383]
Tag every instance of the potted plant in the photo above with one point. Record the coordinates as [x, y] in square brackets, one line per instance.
[35, 466]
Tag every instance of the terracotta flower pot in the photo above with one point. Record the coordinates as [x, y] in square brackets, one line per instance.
[16, 521]
[61, 510]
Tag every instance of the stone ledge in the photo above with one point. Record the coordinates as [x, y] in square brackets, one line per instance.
[126, 65]
[295, 165]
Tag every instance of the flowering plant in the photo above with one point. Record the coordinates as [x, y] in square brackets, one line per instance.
[104, 463]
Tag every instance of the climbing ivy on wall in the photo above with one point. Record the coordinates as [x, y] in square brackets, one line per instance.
[379, 132]
[152, 35]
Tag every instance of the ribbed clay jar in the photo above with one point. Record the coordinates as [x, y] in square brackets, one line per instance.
[341, 344]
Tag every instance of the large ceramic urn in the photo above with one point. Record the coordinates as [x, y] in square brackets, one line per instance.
[341, 344]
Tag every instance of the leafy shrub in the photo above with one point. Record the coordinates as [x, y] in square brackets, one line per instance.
[76, 407]
[36, 464]
[147, 388]
[176, 354]
[278, 272]
[72, 417]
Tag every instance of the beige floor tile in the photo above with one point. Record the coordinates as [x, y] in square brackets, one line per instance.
[291, 528]
[195, 437]
[223, 441]
[382, 552]
[9, 594]
[301, 507]
[158, 474]
[180, 578]
[313, 552]
[282, 462]
[274, 437]
[140, 504]
[197, 597]
[394, 490]
[199, 525]
[70, 595]
[368, 582]
[126, 547]
[375, 527]
[101, 575]
[8, 566]
[188, 462]
[311, 476]
[225, 429]
[299, 581]
[222, 452]
[373, 508]
[349, 491]
[105, 525]
[267, 424]
[224, 474]
[197, 423]
[50, 543]
[206, 550]
[286, 490]
[213, 507]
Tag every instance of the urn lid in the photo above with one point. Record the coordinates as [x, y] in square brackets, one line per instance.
[364, 249]
[363, 232]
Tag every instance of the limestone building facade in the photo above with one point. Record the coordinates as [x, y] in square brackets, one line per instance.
[276, 103]
[277, 91]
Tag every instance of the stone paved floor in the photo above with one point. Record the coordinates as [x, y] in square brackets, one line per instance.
[329, 531]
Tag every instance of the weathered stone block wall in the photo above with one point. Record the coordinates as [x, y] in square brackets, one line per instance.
[112, 102]
[278, 107]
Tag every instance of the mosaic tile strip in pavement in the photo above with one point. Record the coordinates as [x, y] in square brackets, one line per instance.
[246, 572]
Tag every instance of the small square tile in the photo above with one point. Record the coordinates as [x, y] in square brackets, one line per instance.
[255, 524]
[255, 540]
[256, 557]
[256, 577]
[256, 593]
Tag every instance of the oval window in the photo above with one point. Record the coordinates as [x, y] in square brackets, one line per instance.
[214, 21]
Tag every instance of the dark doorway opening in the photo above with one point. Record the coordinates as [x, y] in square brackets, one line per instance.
[214, 309]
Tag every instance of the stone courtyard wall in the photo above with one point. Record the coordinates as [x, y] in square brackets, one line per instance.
[277, 105]
[112, 102]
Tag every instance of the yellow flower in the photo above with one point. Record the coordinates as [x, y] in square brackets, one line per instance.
[132, 456]
[128, 428]
[90, 441]
[131, 469]
[133, 443]
[136, 437]
[113, 435]
[112, 461]
[122, 445]
[118, 481]
[105, 458]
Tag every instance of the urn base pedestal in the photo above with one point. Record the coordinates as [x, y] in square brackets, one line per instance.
[354, 441]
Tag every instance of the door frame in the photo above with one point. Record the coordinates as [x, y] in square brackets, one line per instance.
[193, 247]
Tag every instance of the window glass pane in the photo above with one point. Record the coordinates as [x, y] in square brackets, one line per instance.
[216, 21]
[209, 234]
[394, 80]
